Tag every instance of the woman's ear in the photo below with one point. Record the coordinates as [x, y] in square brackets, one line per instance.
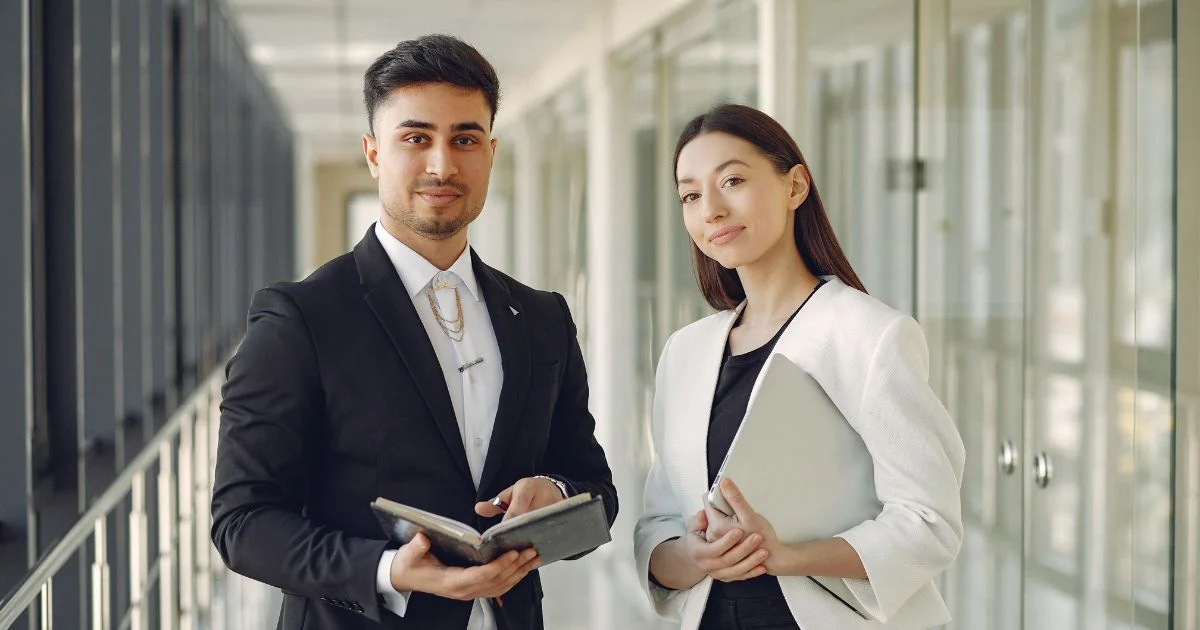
[797, 182]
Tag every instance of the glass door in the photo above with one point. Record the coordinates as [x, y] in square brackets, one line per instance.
[1046, 279]
[1068, 368]
[1099, 420]
[973, 305]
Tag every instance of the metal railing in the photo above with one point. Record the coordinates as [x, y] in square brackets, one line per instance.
[183, 570]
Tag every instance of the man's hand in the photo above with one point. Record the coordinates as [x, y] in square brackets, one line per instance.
[728, 558]
[415, 569]
[524, 496]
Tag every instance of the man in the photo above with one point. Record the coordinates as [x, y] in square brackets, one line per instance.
[406, 369]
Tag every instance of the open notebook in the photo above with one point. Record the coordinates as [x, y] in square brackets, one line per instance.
[564, 529]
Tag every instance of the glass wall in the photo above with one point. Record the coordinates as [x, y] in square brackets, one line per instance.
[147, 190]
[704, 55]
[1052, 308]
[860, 133]
[1004, 171]
[709, 55]
[561, 127]
[978, 324]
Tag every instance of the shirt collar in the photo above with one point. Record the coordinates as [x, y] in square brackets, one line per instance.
[416, 272]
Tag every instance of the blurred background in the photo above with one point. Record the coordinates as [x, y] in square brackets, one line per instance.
[1022, 177]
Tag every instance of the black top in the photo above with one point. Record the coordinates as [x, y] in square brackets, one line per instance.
[732, 397]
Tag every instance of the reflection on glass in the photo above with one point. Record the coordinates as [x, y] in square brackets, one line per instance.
[702, 69]
[1056, 222]
[1055, 520]
[1145, 194]
[561, 125]
[861, 147]
[981, 315]
[1143, 543]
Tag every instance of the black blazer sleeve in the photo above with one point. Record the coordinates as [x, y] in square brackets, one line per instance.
[573, 455]
[272, 401]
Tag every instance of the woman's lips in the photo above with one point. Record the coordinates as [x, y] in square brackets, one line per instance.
[725, 235]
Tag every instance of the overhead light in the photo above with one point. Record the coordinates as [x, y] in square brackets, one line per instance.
[355, 54]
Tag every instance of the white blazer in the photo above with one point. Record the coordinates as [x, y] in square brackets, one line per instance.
[873, 363]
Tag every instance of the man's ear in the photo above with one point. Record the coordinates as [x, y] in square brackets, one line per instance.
[370, 148]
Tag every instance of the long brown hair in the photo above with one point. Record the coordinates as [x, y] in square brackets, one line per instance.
[818, 245]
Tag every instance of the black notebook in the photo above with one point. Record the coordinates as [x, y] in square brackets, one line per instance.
[564, 529]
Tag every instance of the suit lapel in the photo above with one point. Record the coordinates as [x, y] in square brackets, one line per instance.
[703, 364]
[388, 298]
[511, 325]
[797, 337]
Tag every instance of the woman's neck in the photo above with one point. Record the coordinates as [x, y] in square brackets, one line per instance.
[776, 285]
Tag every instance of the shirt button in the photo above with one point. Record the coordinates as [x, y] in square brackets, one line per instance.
[478, 442]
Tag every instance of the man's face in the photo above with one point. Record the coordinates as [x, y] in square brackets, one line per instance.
[432, 155]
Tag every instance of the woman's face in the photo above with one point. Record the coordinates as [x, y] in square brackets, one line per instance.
[736, 207]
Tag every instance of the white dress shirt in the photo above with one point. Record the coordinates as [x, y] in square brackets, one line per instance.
[474, 392]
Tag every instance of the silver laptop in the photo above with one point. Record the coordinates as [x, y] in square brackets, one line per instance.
[800, 464]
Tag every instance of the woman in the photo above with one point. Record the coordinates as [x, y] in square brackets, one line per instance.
[768, 260]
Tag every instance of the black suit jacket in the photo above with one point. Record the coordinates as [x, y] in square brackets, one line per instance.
[335, 397]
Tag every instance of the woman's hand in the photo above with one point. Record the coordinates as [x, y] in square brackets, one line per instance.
[731, 557]
[751, 523]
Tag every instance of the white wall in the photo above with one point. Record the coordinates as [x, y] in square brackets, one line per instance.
[333, 185]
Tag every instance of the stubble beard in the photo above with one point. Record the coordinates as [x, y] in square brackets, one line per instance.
[433, 228]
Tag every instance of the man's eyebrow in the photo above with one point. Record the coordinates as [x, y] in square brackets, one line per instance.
[421, 124]
[468, 126]
[417, 124]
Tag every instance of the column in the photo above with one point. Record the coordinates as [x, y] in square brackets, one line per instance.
[530, 232]
[611, 317]
[783, 62]
[490, 232]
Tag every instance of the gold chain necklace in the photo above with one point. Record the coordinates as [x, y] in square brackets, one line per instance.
[454, 328]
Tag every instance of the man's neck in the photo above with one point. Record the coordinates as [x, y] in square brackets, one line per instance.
[441, 253]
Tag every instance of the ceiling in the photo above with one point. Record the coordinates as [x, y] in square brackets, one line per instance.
[314, 52]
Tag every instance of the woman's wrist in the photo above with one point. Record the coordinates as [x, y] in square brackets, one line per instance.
[792, 560]
[694, 573]
[672, 567]
[830, 557]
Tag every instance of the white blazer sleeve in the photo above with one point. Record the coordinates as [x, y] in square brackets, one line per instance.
[661, 518]
[918, 459]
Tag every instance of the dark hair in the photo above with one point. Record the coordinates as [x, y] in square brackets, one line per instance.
[429, 59]
[818, 245]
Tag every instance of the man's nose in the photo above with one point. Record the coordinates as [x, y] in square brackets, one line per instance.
[440, 162]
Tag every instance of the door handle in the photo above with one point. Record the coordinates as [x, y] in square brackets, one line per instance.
[1007, 459]
[1042, 470]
